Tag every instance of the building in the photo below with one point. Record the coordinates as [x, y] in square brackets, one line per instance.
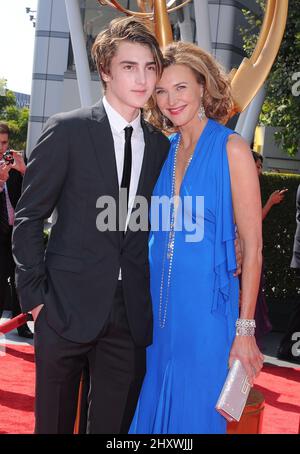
[275, 160]
[22, 100]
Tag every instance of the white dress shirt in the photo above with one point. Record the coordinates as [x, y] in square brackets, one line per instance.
[117, 125]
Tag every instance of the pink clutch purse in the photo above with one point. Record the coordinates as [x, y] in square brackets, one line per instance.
[234, 394]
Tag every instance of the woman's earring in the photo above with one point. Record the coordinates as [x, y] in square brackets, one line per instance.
[201, 112]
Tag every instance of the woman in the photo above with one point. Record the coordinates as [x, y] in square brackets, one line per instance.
[194, 290]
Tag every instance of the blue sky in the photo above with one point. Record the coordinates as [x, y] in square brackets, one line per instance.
[17, 44]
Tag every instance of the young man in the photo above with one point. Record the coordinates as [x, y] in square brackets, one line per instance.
[89, 293]
[11, 177]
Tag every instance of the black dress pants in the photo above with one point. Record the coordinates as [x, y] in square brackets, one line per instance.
[116, 368]
[7, 271]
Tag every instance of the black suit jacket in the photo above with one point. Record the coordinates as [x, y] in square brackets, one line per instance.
[296, 249]
[73, 165]
[14, 186]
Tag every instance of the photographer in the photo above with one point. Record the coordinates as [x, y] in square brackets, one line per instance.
[12, 169]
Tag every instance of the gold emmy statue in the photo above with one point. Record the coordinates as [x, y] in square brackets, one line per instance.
[252, 73]
[155, 10]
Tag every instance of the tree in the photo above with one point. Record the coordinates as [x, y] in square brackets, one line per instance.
[16, 118]
[281, 108]
[7, 98]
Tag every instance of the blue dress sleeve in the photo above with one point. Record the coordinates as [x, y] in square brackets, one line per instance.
[224, 254]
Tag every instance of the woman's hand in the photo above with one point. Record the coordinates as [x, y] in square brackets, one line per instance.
[245, 349]
[277, 197]
[4, 173]
[238, 255]
[35, 312]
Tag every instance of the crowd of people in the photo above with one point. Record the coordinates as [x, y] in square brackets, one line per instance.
[156, 316]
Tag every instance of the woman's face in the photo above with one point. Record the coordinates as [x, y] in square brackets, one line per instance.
[179, 95]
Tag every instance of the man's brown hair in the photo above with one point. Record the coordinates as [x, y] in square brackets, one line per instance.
[120, 30]
[4, 129]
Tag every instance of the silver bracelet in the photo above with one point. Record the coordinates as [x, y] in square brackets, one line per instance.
[245, 327]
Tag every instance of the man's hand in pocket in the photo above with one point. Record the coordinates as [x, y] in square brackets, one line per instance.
[35, 312]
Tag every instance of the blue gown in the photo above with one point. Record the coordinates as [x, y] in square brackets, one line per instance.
[188, 360]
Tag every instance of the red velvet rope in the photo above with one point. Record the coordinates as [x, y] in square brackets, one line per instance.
[14, 323]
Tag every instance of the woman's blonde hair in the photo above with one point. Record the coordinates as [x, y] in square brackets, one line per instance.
[217, 98]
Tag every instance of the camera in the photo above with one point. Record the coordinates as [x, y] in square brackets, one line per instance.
[8, 157]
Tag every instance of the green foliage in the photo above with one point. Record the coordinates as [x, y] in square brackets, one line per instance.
[16, 118]
[281, 108]
[278, 232]
[7, 98]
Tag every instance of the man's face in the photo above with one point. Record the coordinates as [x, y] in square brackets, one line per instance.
[131, 79]
[3, 144]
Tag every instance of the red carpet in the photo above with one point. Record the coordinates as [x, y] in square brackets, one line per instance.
[17, 390]
[280, 386]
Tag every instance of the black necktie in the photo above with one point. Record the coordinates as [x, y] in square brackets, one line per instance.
[4, 224]
[125, 184]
